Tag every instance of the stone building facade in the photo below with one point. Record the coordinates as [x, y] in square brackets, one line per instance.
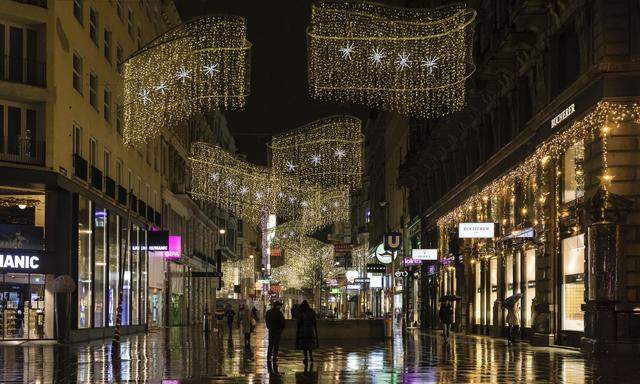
[546, 148]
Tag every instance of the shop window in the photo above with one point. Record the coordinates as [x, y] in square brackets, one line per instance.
[493, 284]
[478, 296]
[573, 283]
[84, 262]
[126, 284]
[100, 272]
[530, 278]
[573, 173]
[144, 254]
[509, 275]
[114, 271]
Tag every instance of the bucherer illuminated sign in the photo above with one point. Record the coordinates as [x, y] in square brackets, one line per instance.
[19, 261]
[476, 230]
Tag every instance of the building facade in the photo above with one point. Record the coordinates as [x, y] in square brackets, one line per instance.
[546, 149]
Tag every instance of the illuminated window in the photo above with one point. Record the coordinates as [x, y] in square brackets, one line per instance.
[573, 283]
[530, 279]
[85, 267]
[573, 173]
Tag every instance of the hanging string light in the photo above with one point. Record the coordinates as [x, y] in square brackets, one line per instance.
[327, 152]
[198, 66]
[598, 122]
[413, 61]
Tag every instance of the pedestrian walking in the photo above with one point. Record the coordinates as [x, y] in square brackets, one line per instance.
[307, 331]
[514, 322]
[295, 309]
[229, 314]
[446, 318]
[247, 323]
[254, 313]
[274, 320]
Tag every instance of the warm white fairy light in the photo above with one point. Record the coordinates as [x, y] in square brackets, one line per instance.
[199, 66]
[349, 40]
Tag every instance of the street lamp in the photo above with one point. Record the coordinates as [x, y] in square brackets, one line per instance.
[222, 231]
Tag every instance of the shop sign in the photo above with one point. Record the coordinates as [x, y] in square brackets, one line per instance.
[424, 254]
[562, 116]
[14, 236]
[374, 280]
[476, 230]
[354, 287]
[384, 256]
[15, 260]
[158, 240]
[175, 248]
[362, 280]
[264, 281]
[407, 261]
[525, 233]
[335, 291]
[376, 268]
[342, 248]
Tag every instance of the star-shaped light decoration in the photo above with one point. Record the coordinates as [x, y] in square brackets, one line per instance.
[144, 96]
[324, 209]
[230, 183]
[376, 56]
[315, 159]
[259, 195]
[340, 153]
[215, 176]
[244, 190]
[304, 204]
[430, 63]
[403, 61]
[183, 75]
[336, 204]
[346, 51]
[280, 194]
[211, 69]
[292, 199]
[160, 88]
[290, 166]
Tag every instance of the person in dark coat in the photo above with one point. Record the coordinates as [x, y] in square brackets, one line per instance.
[295, 310]
[307, 331]
[274, 320]
[229, 313]
[446, 318]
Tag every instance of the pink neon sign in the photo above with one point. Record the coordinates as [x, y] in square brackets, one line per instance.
[175, 248]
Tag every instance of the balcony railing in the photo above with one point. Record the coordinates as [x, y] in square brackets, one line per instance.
[17, 150]
[122, 195]
[110, 187]
[39, 3]
[142, 208]
[80, 167]
[22, 70]
[96, 178]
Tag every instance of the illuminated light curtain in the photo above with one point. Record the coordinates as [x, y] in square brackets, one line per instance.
[327, 152]
[218, 176]
[199, 66]
[410, 60]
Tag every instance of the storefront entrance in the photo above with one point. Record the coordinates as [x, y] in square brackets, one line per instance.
[26, 307]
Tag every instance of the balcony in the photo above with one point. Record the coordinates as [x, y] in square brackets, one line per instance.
[37, 3]
[24, 151]
[134, 202]
[150, 214]
[110, 187]
[122, 195]
[22, 70]
[158, 219]
[142, 208]
[80, 167]
[96, 178]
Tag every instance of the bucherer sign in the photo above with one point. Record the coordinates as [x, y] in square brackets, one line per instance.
[476, 230]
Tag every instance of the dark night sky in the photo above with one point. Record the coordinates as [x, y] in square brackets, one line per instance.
[279, 99]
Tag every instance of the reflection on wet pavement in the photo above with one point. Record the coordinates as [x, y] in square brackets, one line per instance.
[183, 355]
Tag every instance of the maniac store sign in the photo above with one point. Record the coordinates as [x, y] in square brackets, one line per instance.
[22, 249]
[19, 261]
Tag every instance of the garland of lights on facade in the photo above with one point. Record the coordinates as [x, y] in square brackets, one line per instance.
[499, 195]
[409, 60]
[199, 66]
[327, 152]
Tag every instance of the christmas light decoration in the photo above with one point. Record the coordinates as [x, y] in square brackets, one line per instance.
[10, 201]
[326, 153]
[198, 66]
[597, 123]
[367, 53]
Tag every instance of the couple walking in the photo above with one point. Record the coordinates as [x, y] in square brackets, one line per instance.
[306, 330]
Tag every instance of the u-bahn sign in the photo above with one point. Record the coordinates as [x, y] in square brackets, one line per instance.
[392, 241]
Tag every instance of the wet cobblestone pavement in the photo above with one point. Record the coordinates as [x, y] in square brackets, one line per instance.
[181, 355]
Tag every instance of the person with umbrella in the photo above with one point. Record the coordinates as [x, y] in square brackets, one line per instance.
[512, 304]
[446, 318]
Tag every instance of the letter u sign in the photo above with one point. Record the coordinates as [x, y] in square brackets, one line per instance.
[392, 241]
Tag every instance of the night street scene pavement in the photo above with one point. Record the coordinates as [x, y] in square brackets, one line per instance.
[320, 191]
[181, 355]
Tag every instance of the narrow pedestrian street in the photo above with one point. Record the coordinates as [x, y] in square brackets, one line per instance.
[181, 355]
